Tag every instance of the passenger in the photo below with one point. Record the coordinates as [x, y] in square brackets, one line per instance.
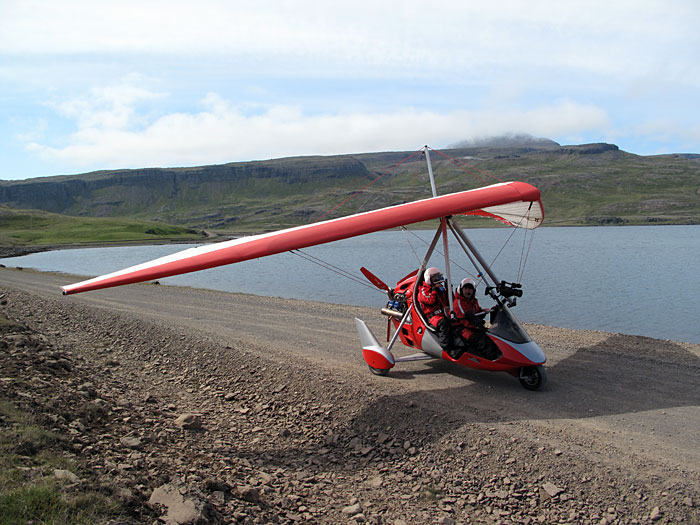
[433, 300]
[466, 305]
[470, 326]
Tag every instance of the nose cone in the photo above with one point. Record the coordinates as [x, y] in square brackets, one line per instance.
[532, 352]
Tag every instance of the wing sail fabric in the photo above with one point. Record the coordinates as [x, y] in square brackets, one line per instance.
[521, 214]
[509, 202]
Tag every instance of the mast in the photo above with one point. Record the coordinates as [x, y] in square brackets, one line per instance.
[430, 170]
[442, 229]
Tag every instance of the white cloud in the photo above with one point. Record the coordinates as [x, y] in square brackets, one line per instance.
[110, 107]
[367, 37]
[222, 132]
[303, 77]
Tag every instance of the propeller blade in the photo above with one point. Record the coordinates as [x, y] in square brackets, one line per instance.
[376, 281]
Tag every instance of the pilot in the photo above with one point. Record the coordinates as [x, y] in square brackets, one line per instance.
[433, 300]
[470, 328]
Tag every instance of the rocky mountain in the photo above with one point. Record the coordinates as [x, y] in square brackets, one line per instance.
[581, 184]
[211, 196]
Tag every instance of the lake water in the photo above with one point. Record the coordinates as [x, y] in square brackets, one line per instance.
[633, 280]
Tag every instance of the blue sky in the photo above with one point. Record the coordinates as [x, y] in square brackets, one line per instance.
[89, 85]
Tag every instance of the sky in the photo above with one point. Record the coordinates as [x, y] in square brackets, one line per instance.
[91, 85]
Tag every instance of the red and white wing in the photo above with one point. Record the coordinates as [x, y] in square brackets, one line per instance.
[515, 203]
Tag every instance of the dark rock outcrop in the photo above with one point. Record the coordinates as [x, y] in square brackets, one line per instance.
[589, 149]
[150, 192]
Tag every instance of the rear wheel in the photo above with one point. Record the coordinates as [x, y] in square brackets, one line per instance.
[533, 377]
[379, 371]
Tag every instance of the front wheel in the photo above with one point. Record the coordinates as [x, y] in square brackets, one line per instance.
[533, 377]
[379, 371]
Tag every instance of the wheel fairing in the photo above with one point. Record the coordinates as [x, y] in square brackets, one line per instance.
[523, 354]
[376, 360]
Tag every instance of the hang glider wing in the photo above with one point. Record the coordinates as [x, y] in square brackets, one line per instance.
[515, 203]
[520, 214]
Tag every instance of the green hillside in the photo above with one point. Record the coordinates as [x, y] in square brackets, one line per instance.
[580, 185]
[583, 185]
[36, 228]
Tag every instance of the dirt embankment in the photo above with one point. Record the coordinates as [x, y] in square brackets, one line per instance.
[242, 425]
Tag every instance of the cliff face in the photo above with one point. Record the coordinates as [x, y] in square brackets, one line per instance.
[580, 184]
[176, 194]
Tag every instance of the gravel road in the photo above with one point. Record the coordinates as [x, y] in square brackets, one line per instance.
[295, 428]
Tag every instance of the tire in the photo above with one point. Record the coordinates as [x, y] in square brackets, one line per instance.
[379, 371]
[533, 377]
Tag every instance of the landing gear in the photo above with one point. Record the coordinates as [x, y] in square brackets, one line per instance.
[533, 377]
[379, 371]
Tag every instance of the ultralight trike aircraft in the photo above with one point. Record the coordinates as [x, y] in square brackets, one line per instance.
[517, 204]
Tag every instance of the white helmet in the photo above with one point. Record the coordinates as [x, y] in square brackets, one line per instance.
[467, 282]
[432, 275]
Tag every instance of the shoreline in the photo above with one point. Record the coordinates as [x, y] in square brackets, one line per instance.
[672, 322]
[7, 251]
[270, 301]
[20, 250]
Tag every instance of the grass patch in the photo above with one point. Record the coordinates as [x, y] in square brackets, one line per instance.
[432, 493]
[45, 503]
[7, 324]
[29, 492]
[36, 227]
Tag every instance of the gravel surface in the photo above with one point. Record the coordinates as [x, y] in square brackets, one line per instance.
[210, 407]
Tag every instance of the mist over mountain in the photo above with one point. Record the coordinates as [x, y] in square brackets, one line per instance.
[510, 140]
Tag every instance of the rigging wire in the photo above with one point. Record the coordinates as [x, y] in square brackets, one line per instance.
[522, 253]
[356, 193]
[436, 251]
[514, 229]
[412, 192]
[475, 172]
[480, 275]
[472, 170]
[466, 167]
[335, 269]
[527, 253]
[408, 241]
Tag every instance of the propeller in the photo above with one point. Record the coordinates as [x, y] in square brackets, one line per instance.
[376, 281]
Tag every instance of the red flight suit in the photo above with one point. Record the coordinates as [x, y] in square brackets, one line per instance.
[433, 303]
[464, 309]
[435, 306]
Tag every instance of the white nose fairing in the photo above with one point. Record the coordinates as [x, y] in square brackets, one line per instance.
[530, 350]
[370, 343]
